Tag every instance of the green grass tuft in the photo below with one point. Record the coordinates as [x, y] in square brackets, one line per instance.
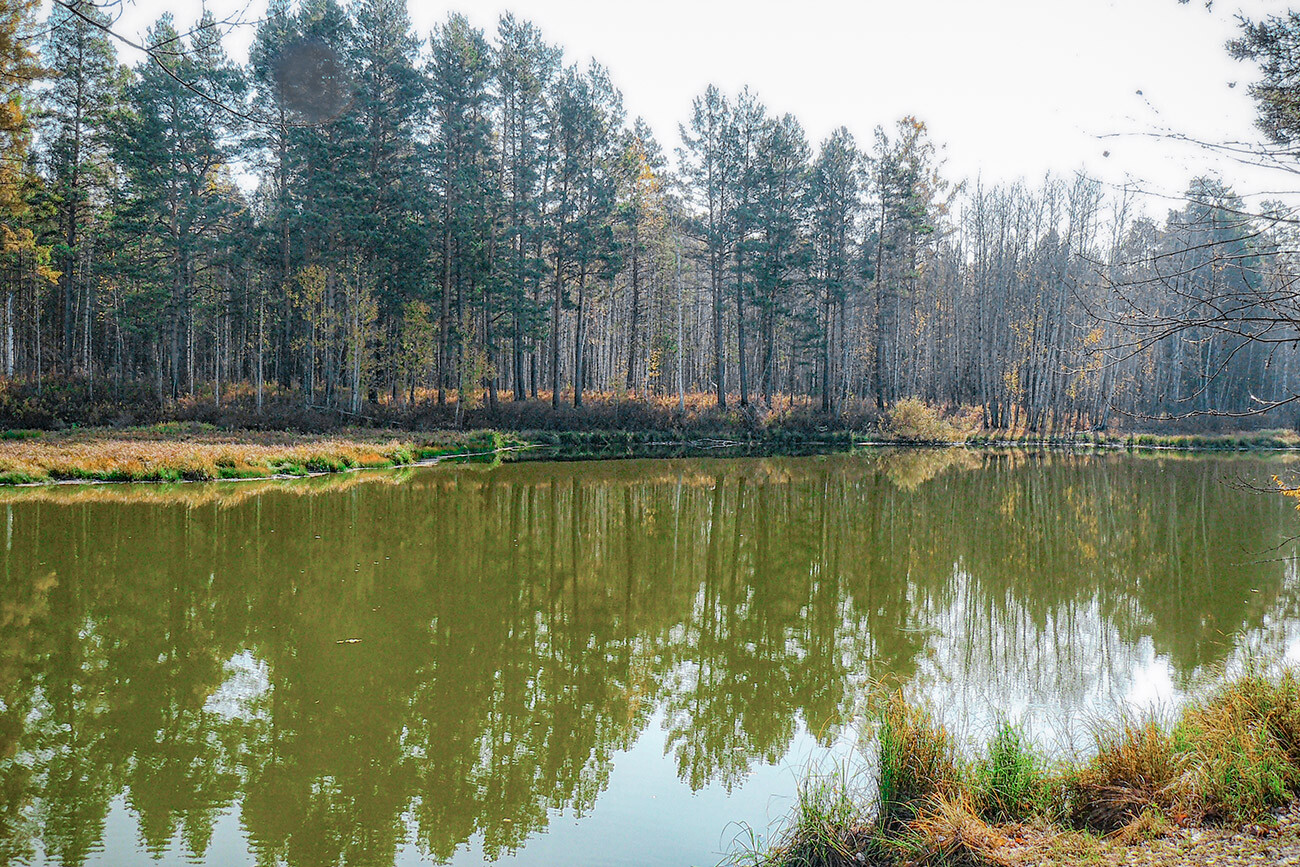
[1009, 782]
[917, 761]
[828, 828]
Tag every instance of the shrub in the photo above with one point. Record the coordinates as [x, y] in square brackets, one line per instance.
[913, 420]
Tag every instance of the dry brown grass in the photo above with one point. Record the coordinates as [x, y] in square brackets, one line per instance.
[1148, 825]
[222, 496]
[1137, 767]
[179, 453]
[948, 832]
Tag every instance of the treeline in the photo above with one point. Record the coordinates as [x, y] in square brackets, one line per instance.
[361, 217]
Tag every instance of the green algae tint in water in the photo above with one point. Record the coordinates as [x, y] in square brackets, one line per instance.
[586, 663]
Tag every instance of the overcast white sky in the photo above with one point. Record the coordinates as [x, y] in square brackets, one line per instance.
[1013, 88]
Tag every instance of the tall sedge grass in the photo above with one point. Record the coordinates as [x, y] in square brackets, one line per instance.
[1231, 757]
[917, 762]
[1009, 782]
[1244, 742]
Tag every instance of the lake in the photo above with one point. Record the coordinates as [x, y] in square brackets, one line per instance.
[624, 662]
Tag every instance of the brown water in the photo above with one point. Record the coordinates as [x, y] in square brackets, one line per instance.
[582, 663]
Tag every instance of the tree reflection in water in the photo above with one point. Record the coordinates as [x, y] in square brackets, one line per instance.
[357, 664]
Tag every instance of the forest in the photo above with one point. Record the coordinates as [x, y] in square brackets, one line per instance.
[363, 220]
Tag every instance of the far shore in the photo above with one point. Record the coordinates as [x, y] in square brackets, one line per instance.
[194, 452]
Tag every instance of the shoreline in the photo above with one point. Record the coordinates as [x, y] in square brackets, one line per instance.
[1220, 783]
[175, 453]
[282, 477]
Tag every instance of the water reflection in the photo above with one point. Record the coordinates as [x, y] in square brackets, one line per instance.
[362, 664]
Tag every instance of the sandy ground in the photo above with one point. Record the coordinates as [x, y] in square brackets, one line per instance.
[1272, 843]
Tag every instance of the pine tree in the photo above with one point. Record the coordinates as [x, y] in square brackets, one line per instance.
[391, 187]
[708, 170]
[748, 122]
[835, 201]
[82, 94]
[459, 72]
[779, 257]
[525, 68]
[328, 162]
[175, 146]
[594, 248]
[909, 188]
[1274, 44]
[275, 49]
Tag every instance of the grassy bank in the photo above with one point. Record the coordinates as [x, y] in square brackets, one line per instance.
[605, 443]
[1264, 440]
[184, 452]
[1230, 760]
[175, 451]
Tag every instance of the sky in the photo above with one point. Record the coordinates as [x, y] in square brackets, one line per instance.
[1011, 89]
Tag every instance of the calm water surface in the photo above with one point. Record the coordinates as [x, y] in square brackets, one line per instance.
[583, 663]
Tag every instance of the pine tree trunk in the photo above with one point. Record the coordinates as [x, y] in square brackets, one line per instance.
[635, 317]
[719, 357]
[445, 317]
[580, 339]
[740, 329]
